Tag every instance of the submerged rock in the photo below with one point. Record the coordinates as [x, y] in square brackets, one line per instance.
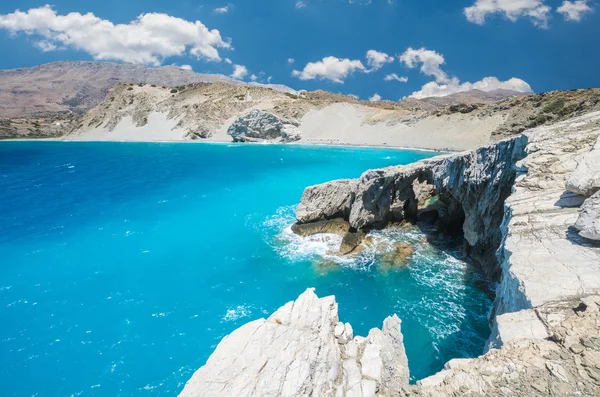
[304, 350]
[335, 226]
[258, 125]
[351, 241]
[588, 222]
[398, 257]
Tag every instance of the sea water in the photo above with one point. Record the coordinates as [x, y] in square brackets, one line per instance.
[122, 265]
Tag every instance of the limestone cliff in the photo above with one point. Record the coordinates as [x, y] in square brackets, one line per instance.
[472, 186]
[303, 350]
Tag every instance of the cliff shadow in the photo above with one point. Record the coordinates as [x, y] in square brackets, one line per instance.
[573, 236]
[570, 200]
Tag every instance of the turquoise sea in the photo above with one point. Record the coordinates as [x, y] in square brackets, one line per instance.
[122, 265]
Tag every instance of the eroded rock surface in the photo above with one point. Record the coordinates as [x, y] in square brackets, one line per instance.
[257, 126]
[472, 185]
[326, 201]
[567, 363]
[304, 350]
[588, 222]
[585, 179]
[543, 258]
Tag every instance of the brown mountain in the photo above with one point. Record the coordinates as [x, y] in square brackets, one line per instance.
[70, 86]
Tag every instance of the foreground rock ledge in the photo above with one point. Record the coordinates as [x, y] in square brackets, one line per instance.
[303, 350]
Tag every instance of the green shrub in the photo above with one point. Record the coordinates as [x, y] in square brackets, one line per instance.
[539, 120]
[567, 110]
[554, 106]
[174, 91]
[293, 96]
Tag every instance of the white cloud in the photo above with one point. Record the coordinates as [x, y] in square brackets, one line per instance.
[239, 72]
[376, 97]
[291, 61]
[269, 79]
[430, 62]
[394, 76]
[573, 11]
[486, 84]
[300, 4]
[253, 77]
[443, 85]
[228, 61]
[185, 67]
[149, 39]
[330, 68]
[536, 10]
[376, 59]
[353, 96]
[222, 10]
[45, 46]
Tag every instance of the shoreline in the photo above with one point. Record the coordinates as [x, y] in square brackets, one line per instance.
[218, 142]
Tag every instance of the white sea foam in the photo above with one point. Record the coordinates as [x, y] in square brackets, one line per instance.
[440, 276]
[237, 312]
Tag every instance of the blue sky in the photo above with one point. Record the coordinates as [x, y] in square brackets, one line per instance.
[437, 45]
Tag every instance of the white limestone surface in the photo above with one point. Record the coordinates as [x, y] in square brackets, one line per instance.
[303, 350]
[543, 258]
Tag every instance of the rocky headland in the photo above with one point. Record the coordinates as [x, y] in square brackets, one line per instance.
[527, 208]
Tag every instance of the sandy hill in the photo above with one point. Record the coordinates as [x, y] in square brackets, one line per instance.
[205, 111]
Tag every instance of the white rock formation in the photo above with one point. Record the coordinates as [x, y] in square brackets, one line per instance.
[588, 222]
[303, 350]
[585, 179]
[473, 185]
[542, 257]
[257, 126]
[326, 201]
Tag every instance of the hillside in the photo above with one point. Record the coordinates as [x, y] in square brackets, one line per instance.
[206, 111]
[103, 100]
[63, 87]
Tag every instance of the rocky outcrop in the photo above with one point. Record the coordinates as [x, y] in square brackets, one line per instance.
[326, 201]
[304, 350]
[560, 357]
[472, 185]
[585, 179]
[259, 126]
[588, 222]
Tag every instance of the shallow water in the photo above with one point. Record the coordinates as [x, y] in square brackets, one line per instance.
[122, 265]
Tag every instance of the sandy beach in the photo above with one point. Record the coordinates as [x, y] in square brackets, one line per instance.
[341, 124]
